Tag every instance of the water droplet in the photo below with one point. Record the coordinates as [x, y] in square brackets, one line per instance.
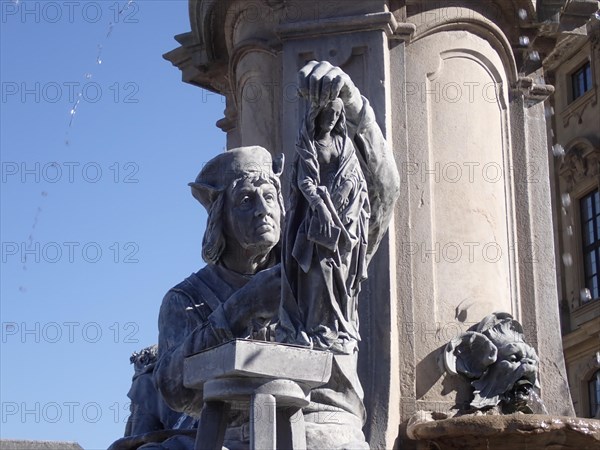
[522, 14]
[534, 55]
[585, 295]
[566, 200]
[564, 211]
[74, 110]
[567, 259]
[99, 56]
[536, 404]
[88, 76]
[558, 150]
[22, 289]
[44, 194]
[570, 230]
[596, 15]
[524, 40]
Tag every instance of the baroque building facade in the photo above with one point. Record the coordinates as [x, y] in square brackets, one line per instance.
[573, 67]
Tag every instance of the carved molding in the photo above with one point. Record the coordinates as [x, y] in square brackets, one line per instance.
[580, 164]
[384, 21]
[563, 49]
[480, 26]
[242, 15]
[531, 91]
[480, 59]
[578, 107]
[239, 52]
[594, 34]
[229, 122]
[594, 361]
[584, 365]
[191, 58]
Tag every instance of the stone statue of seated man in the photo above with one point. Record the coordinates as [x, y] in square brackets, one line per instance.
[241, 191]
[237, 293]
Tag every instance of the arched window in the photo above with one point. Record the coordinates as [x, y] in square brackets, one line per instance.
[590, 221]
[594, 390]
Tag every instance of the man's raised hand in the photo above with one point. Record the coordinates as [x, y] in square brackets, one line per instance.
[321, 82]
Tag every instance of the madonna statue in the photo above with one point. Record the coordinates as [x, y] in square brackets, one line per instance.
[325, 237]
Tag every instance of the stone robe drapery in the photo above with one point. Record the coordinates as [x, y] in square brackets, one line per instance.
[321, 280]
[191, 319]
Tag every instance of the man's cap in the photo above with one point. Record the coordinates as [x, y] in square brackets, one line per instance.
[224, 169]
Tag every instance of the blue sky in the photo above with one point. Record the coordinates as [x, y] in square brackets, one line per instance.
[97, 219]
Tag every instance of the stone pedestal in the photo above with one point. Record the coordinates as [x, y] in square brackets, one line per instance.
[272, 380]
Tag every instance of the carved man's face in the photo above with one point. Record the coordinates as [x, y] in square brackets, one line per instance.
[252, 214]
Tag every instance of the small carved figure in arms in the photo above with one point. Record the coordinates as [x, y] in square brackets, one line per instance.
[325, 236]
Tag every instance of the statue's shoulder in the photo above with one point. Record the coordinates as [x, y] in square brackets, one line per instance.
[190, 286]
[193, 292]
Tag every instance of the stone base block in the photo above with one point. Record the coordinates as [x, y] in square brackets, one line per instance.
[242, 358]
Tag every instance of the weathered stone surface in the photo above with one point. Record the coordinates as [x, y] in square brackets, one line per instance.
[273, 379]
[15, 444]
[514, 431]
[493, 357]
[243, 358]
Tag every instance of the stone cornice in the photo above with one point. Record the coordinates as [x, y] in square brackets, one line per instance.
[384, 21]
[195, 67]
[563, 50]
[574, 341]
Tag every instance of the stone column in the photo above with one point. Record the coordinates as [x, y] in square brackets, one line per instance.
[359, 44]
[476, 233]
[535, 244]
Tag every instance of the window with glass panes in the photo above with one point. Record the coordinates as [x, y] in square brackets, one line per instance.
[581, 80]
[594, 390]
[590, 223]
